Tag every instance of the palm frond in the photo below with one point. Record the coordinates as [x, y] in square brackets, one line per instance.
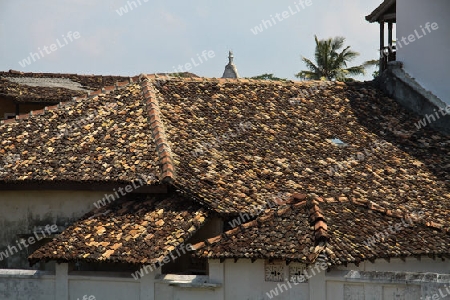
[310, 65]
[371, 63]
[331, 59]
[307, 75]
[356, 70]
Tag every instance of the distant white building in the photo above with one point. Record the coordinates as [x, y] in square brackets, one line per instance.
[426, 26]
[421, 48]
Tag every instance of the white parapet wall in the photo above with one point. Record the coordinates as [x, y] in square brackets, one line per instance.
[409, 279]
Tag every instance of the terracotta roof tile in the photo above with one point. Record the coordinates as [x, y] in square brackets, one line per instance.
[51, 87]
[233, 145]
[285, 147]
[101, 138]
[135, 231]
[345, 235]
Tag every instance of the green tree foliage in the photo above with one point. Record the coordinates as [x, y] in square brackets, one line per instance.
[330, 62]
[267, 76]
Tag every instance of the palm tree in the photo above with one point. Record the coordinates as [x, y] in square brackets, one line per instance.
[267, 76]
[331, 64]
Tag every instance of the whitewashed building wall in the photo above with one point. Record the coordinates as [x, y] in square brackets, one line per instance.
[427, 58]
[22, 211]
[382, 280]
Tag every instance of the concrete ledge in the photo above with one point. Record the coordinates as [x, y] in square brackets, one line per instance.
[188, 281]
[396, 83]
[18, 273]
[95, 275]
[389, 277]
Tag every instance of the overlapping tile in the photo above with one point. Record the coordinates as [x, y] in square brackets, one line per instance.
[285, 233]
[49, 87]
[138, 231]
[286, 145]
[340, 232]
[231, 145]
[105, 138]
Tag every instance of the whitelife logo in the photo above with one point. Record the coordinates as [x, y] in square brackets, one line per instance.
[86, 297]
[431, 118]
[123, 191]
[130, 4]
[165, 260]
[67, 38]
[266, 24]
[195, 62]
[31, 240]
[393, 229]
[405, 41]
[319, 266]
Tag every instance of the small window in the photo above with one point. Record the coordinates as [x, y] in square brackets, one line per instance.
[296, 273]
[274, 271]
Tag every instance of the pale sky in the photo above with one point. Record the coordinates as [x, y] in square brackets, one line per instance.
[158, 36]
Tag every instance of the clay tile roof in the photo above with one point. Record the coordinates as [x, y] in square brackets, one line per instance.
[104, 137]
[281, 234]
[342, 232]
[235, 144]
[232, 145]
[135, 231]
[357, 234]
[51, 87]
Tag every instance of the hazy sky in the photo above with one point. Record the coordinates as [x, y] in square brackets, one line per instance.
[98, 37]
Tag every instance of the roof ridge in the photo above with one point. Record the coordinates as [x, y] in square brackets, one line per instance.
[167, 169]
[239, 80]
[372, 206]
[89, 94]
[61, 75]
[361, 202]
[270, 213]
[318, 222]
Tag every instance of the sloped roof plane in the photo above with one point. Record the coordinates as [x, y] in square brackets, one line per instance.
[230, 145]
[104, 137]
[51, 87]
[134, 231]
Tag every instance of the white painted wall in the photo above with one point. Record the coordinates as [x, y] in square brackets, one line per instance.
[26, 285]
[349, 283]
[427, 58]
[395, 280]
[104, 288]
[409, 265]
[246, 280]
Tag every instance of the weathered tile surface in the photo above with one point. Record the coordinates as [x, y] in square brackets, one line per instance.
[286, 146]
[46, 88]
[232, 145]
[343, 232]
[136, 231]
[105, 137]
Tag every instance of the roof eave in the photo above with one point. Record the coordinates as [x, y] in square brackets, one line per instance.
[376, 15]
